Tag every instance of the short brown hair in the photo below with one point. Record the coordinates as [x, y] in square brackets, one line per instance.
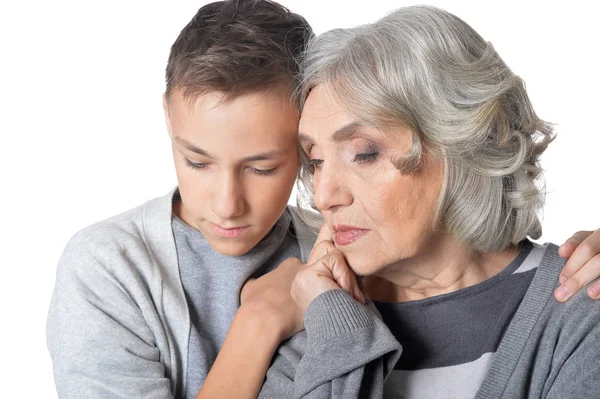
[237, 47]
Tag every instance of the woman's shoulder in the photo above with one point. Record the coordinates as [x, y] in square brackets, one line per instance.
[579, 315]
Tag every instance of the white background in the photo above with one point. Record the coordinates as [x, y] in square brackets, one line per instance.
[83, 135]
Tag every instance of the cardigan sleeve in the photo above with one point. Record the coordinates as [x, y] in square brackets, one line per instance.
[346, 351]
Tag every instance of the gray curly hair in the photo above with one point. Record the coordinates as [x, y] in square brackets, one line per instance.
[426, 69]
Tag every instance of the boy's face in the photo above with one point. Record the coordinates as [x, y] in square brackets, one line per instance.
[236, 164]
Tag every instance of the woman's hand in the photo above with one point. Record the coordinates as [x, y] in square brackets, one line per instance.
[268, 299]
[327, 270]
[583, 266]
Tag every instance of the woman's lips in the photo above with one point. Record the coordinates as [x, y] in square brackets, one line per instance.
[345, 235]
[234, 232]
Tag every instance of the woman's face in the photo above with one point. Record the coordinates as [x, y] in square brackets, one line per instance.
[377, 215]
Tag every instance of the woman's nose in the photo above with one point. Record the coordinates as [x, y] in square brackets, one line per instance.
[330, 188]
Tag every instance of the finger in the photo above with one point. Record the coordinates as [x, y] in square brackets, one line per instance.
[324, 234]
[594, 290]
[588, 273]
[320, 249]
[587, 246]
[343, 274]
[569, 246]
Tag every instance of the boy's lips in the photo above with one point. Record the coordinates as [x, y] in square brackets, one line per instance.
[231, 232]
[346, 235]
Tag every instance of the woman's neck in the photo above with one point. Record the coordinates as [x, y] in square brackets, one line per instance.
[444, 266]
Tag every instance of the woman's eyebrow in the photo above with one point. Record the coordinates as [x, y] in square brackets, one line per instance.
[346, 132]
[305, 138]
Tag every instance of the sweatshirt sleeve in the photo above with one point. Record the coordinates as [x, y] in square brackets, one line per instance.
[98, 338]
[346, 351]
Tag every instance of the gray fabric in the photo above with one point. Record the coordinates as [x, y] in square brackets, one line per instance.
[450, 382]
[346, 351]
[212, 284]
[450, 340]
[461, 326]
[551, 349]
[118, 324]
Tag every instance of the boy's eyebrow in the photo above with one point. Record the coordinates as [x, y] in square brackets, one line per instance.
[192, 147]
[263, 156]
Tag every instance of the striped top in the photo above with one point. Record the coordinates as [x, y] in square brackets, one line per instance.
[450, 340]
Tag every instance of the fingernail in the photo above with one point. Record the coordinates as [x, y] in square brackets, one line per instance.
[562, 292]
[595, 291]
[562, 279]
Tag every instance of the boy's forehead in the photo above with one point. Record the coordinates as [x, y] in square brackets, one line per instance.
[212, 100]
[257, 119]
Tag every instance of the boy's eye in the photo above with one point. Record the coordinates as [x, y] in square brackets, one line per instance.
[263, 172]
[195, 165]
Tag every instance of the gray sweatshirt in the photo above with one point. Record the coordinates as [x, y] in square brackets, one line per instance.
[119, 323]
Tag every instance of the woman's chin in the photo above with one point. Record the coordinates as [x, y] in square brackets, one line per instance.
[362, 265]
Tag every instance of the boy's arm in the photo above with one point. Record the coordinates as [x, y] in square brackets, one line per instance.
[242, 362]
[267, 316]
[346, 351]
[100, 343]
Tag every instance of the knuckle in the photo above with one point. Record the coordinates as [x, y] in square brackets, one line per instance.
[574, 283]
[588, 250]
[301, 276]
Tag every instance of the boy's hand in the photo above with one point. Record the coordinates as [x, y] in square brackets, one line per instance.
[583, 266]
[268, 299]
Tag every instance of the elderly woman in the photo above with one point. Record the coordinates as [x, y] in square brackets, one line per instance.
[422, 149]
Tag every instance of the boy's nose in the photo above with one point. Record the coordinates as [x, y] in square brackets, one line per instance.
[229, 200]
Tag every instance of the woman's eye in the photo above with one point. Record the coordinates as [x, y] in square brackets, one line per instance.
[195, 165]
[263, 172]
[366, 157]
[313, 164]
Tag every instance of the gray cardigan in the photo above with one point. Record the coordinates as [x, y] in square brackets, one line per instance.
[118, 324]
[550, 350]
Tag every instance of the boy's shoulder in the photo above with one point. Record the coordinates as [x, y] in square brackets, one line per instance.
[128, 235]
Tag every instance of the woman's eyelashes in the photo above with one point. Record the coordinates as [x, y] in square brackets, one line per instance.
[313, 164]
[256, 171]
[369, 155]
[366, 157]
